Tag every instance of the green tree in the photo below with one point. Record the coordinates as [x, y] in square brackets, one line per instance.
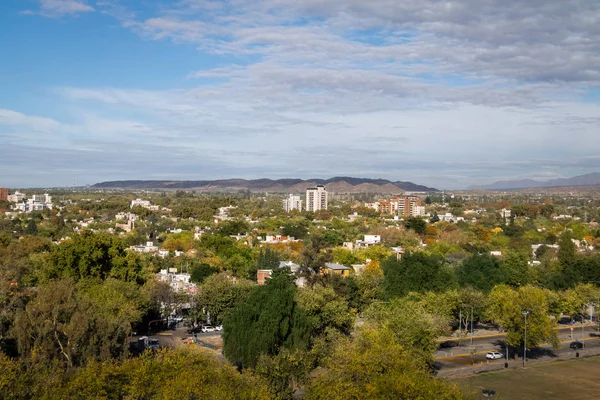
[297, 229]
[268, 259]
[270, 319]
[481, 272]
[325, 309]
[78, 324]
[219, 295]
[234, 227]
[506, 306]
[31, 228]
[416, 224]
[93, 255]
[166, 374]
[416, 272]
[202, 271]
[410, 322]
[566, 251]
[516, 270]
[285, 371]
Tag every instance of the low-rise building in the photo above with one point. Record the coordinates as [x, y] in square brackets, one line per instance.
[149, 247]
[16, 197]
[331, 268]
[263, 274]
[179, 282]
[140, 203]
[273, 239]
[368, 240]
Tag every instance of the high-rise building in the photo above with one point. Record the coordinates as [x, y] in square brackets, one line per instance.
[293, 202]
[3, 194]
[316, 198]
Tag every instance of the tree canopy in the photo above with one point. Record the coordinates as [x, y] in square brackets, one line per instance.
[268, 320]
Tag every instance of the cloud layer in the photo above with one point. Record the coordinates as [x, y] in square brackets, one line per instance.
[438, 92]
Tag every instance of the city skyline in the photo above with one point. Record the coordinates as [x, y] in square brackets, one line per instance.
[443, 94]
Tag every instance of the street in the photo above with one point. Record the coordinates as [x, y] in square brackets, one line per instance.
[453, 359]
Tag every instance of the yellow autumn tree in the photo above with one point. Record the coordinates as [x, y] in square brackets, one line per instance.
[373, 365]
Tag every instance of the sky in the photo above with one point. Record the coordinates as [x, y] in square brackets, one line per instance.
[440, 93]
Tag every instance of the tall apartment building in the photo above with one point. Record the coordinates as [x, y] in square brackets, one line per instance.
[316, 198]
[408, 206]
[3, 194]
[293, 202]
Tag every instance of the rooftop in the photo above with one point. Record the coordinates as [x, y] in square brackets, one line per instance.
[335, 266]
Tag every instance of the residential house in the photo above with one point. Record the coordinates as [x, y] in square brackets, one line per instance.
[330, 268]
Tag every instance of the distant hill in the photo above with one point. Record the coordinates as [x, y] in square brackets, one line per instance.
[581, 180]
[337, 185]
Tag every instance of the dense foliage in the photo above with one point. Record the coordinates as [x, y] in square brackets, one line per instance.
[73, 291]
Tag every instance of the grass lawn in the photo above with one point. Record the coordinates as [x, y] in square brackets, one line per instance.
[564, 380]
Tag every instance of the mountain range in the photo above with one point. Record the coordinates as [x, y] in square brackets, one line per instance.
[337, 185]
[580, 180]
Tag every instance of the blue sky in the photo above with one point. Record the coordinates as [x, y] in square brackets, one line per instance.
[441, 93]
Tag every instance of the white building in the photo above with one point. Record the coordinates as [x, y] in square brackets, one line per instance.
[179, 282]
[417, 211]
[148, 248]
[129, 218]
[293, 202]
[37, 202]
[42, 198]
[16, 197]
[368, 240]
[273, 239]
[140, 203]
[316, 198]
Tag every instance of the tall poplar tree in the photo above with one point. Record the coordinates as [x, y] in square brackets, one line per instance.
[267, 321]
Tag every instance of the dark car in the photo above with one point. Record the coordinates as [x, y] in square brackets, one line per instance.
[576, 345]
[154, 344]
[196, 329]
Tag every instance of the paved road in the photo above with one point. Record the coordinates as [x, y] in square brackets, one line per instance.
[450, 357]
[171, 337]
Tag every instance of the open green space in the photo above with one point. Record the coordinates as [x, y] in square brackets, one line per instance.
[571, 379]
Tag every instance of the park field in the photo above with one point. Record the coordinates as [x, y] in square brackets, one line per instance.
[564, 380]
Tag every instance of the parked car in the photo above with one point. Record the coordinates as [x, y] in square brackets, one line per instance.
[493, 355]
[219, 328]
[154, 344]
[208, 328]
[576, 345]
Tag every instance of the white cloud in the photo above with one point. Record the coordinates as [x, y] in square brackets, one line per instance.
[441, 93]
[59, 8]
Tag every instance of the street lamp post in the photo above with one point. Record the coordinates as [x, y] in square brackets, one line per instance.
[525, 314]
[582, 331]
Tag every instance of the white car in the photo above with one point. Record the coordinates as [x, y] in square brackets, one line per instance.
[219, 328]
[208, 328]
[493, 355]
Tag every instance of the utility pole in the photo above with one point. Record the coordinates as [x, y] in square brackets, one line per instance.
[525, 314]
[582, 333]
[471, 326]
[459, 325]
